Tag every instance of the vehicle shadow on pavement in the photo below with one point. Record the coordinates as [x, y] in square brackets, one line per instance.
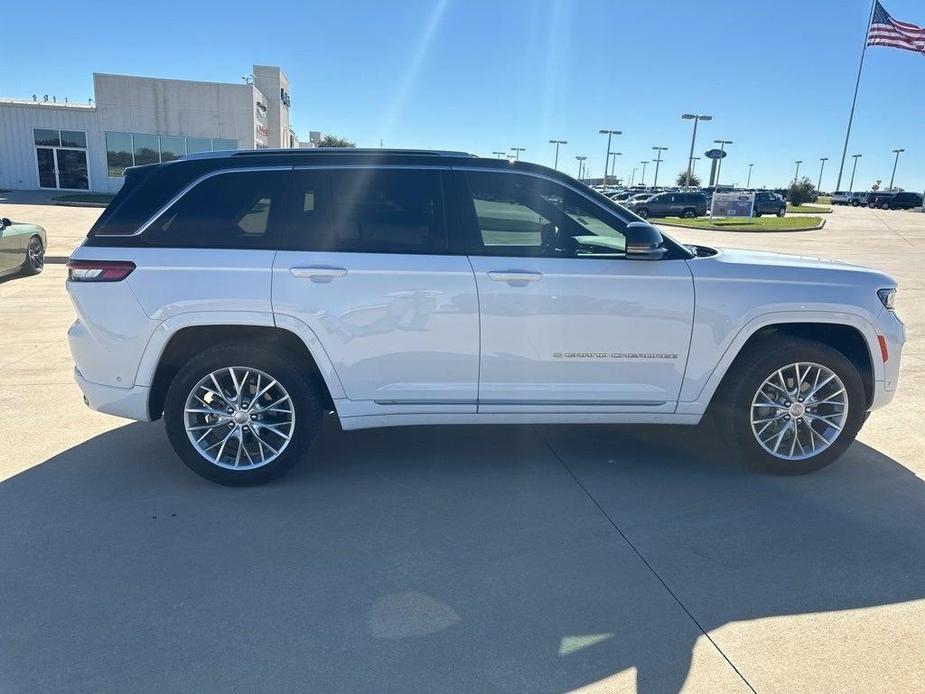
[432, 559]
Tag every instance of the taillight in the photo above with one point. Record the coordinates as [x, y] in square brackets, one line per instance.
[99, 270]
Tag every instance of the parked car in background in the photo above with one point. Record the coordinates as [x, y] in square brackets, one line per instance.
[240, 296]
[635, 198]
[880, 199]
[769, 203]
[905, 200]
[22, 248]
[670, 205]
[859, 199]
[840, 197]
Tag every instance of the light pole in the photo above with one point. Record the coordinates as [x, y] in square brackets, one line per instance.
[821, 167]
[581, 164]
[797, 172]
[748, 181]
[609, 133]
[613, 167]
[658, 160]
[694, 167]
[643, 179]
[895, 162]
[557, 143]
[517, 151]
[853, 169]
[498, 154]
[696, 119]
[633, 177]
[719, 165]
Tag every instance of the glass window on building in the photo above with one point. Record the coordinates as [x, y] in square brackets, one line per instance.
[47, 138]
[220, 144]
[147, 149]
[198, 144]
[118, 153]
[74, 138]
[172, 147]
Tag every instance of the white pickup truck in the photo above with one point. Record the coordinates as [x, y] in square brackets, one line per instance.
[243, 295]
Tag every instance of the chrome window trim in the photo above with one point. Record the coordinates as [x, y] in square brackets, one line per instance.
[176, 198]
[428, 167]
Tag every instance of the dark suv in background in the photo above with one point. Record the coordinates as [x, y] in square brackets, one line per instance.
[671, 205]
[895, 201]
[767, 202]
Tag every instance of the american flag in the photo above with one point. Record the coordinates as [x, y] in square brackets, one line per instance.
[886, 31]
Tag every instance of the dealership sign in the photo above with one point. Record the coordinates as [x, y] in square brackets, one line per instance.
[715, 153]
[262, 132]
[732, 205]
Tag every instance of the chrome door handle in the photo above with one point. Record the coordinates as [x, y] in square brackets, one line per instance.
[515, 277]
[318, 273]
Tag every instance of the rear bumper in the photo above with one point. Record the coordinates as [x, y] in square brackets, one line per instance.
[131, 403]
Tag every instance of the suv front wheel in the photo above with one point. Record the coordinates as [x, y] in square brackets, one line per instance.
[241, 414]
[793, 406]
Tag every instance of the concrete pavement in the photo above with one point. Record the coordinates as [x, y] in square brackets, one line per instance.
[457, 558]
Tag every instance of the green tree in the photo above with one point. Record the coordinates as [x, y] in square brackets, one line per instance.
[802, 191]
[329, 140]
[688, 180]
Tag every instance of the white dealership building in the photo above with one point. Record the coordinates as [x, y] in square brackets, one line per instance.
[52, 143]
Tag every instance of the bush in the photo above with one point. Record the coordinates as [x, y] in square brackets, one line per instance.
[802, 191]
[683, 179]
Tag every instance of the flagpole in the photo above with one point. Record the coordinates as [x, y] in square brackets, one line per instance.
[857, 83]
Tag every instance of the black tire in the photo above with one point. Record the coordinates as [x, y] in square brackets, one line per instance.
[782, 211]
[689, 213]
[755, 212]
[748, 373]
[34, 261]
[643, 212]
[855, 203]
[303, 390]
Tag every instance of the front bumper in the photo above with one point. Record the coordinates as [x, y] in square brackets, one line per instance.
[894, 333]
[131, 403]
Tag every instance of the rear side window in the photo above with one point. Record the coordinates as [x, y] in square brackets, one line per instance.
[387, 211]
[229, 210]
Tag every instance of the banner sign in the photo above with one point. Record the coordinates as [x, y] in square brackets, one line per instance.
[732, 205]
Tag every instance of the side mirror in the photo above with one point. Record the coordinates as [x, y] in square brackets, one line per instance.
[5, 222]
[643, 242]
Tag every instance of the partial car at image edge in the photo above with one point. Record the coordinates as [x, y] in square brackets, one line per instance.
[22, 248]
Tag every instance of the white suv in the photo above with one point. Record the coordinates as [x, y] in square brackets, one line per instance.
[242, 295]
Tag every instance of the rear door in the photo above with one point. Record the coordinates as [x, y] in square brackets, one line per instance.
[567, 323]
[366, 266]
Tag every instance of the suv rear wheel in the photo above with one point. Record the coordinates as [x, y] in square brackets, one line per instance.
[241, 414]
[689, 213]
[793, 406]
[643, 212]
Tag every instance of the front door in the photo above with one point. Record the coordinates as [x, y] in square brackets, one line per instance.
[567, 322]
[61, 158]
[368, 271]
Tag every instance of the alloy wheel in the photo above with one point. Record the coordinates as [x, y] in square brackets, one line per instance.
[239, 418]
[799, 411]
[35, 254]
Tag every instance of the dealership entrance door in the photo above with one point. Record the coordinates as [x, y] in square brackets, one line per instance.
[61, 157]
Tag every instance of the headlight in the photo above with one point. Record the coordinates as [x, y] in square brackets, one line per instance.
[888, 297]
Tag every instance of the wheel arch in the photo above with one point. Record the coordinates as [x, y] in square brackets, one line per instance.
[188, 340]
[847, 339]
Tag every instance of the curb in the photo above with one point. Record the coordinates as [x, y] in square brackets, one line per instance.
[68, 203]
[747, 231]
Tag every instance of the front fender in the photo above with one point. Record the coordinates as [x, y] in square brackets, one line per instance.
[702, 378]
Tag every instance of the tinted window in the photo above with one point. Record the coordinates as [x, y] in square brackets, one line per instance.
[526, 215]
[387, 211]
[233, 210]
[118, 153]
[46, 137]
[74, 138]
[147, 149]
[172, 147]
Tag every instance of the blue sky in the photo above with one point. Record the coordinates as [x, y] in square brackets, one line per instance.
[485, 75]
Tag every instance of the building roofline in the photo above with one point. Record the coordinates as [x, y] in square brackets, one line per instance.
[173, 79]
